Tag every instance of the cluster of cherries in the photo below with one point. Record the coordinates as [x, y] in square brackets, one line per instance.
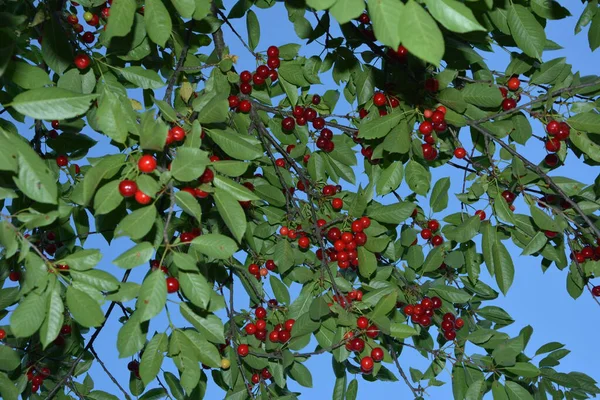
[260, 76]
[428, 233]
[171, 281]
[558, 132]
[513, 85]
[422, 313]
[259, 272]
[134, 367]
[357, 344]
[434, 121]
[37, 376]
[353, 295]
[281, 333]
[175, 134]
[345, 243]
[263, 375]
[91, 19]
[61, 160]
[128, 187]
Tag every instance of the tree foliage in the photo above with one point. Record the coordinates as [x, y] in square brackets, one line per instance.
[228, 180]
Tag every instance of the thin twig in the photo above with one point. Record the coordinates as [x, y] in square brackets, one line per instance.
[416, 391]
[224, 17]
[112, 378]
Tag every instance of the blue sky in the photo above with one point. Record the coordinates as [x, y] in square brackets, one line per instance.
[536, 298]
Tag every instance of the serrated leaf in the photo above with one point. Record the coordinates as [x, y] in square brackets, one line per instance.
[418, 178]
[454, 15]
[439, 195]
[152, 297]
[215, 245]
[526, 31]
[27, 318]
[82, 260]
[367, 263]
[84, 308]
[385, 15]
[482, 95]
[390, 178]
[137, 224]
[143, 78]
[189, 164]
[158, 22]
[420, 34]
[232, 213]
[122, 13]
[195, 287]
[189, 204]
[139, 254]
[379, 126]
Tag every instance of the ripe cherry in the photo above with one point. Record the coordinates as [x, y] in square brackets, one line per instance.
[207, 176]
[245, 88]
[551, 160]
[366, 364]
[564, 131]
[133, 366]
[245, 76]
[172, 285]
[481, 214]
[255, 378]
[270, 265]
[408, 310]
[433, 224]
[552, 128]
[234, 101]
[288, 124]
[2, 334]
[372, 331]
[127, 188]
[379, 99]
[337, 203]
[436, 302]
[272, 52]
[513, 84]
[357, 345]
[316, 99]
[37, 381]
[319, 123]
[178, 133]
[426, 128]
[243, 350]
[334, 234]
[596, 291]
[14, 276]
[289, 324]
[62, 161]
[509, 196]
[186, 237]
[142, 198]
[459, 323]
[253, 269]
[552, 145]
[65, 330]
[460, 153]
[82, 61]
[429, 152]
[450, 335]
[437, 240]
[304, 242]
[362, 322]
[508, 104]
[310, 114]
[245, 106]
[273, 63]
[147, 164]
[250, 329]
[427, 303]
[258, 80]
[364, 18]
[284, 336]
[426, 234]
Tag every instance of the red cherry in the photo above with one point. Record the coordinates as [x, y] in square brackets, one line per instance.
[509, 196]
[253, 269]
[319, 123]
[450, 335]
[364, 18]
[234, 101]
[460, 153]
[564, 131]
[337, 203]
[426, 128]
[172, 284]
[133, 366]
[552, 128]
[82, 61]
[310, 114]
[366, 364]
[372, 331]
[273, 51]
[243, 350]
[596, 291]
[432, 85]
[178, 133]
[284, 336]
[142, 198]
[362, 322]
[427, 303]
[94, 21]
[14, 276]
[186, 237]
[147, 164]
[408, 310]
[304, 242]
[127, 188]
[426, 234]
[288, 124]
[270, 265]
[481, 214]
[316, 99]
[513, 84]
[429, 152]
[245, 76]
[436, 302]
[459, 323]
[245, 106]
[62, 161]
[379, 99]
[289, 324]
[258, 80]
[2, 334]
[433, 224]
[437, 240]
[273, 63]
[357, 226]
[503, 91]
[334, 234]
[551, 160]
[207, 176]
[255, 378]
[250, 329]
[552, 145]
[508, 104]
[357, 345]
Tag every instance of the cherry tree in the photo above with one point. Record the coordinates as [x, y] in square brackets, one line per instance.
[243, 184]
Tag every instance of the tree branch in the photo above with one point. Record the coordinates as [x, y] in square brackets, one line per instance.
[112, 378]
[416, 391]
[173, 78]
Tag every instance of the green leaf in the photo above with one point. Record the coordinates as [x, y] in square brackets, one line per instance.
[211, 326]
[122, 13]
[526, 30]
[208, 353]
[279, 290]
[390, 178]
[476, 389]
[253, 29]
[465, 231]
[420, 34]
[392, 214]
[482, 95]
[153, 357]
[232, 213]
[50, 329]
[453, 99]
[212, 108]
[230, 168]
[143, 78]
[195, 287]
[234, 145]
[85, 309]
[139, 254]
[549, 9]
[158, 22]
[29, 76]
[367, 263]
[27, 318]
[130, 338]
[8, 238]
[215, 245]
[434, 259]
[524, 369]
[516, 391]
[439, 195]
[347, 10]
[451, 294]
[57, 52]
[594, 32]
[379, 126]
[152, 297]
[137, 224]
[454, 15]
[294, 74]
[185, 8]
[234, 189]
[385, 15]
[189, 204]
[107, 198]
[418, 178]
[402, 331]
[504, 270]
[587, 122]
[35, 178]
[10, 359]
[189, 164]
[301, 374]
[386, 304]
[111, 117]
[52, 103]
[82, 260]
